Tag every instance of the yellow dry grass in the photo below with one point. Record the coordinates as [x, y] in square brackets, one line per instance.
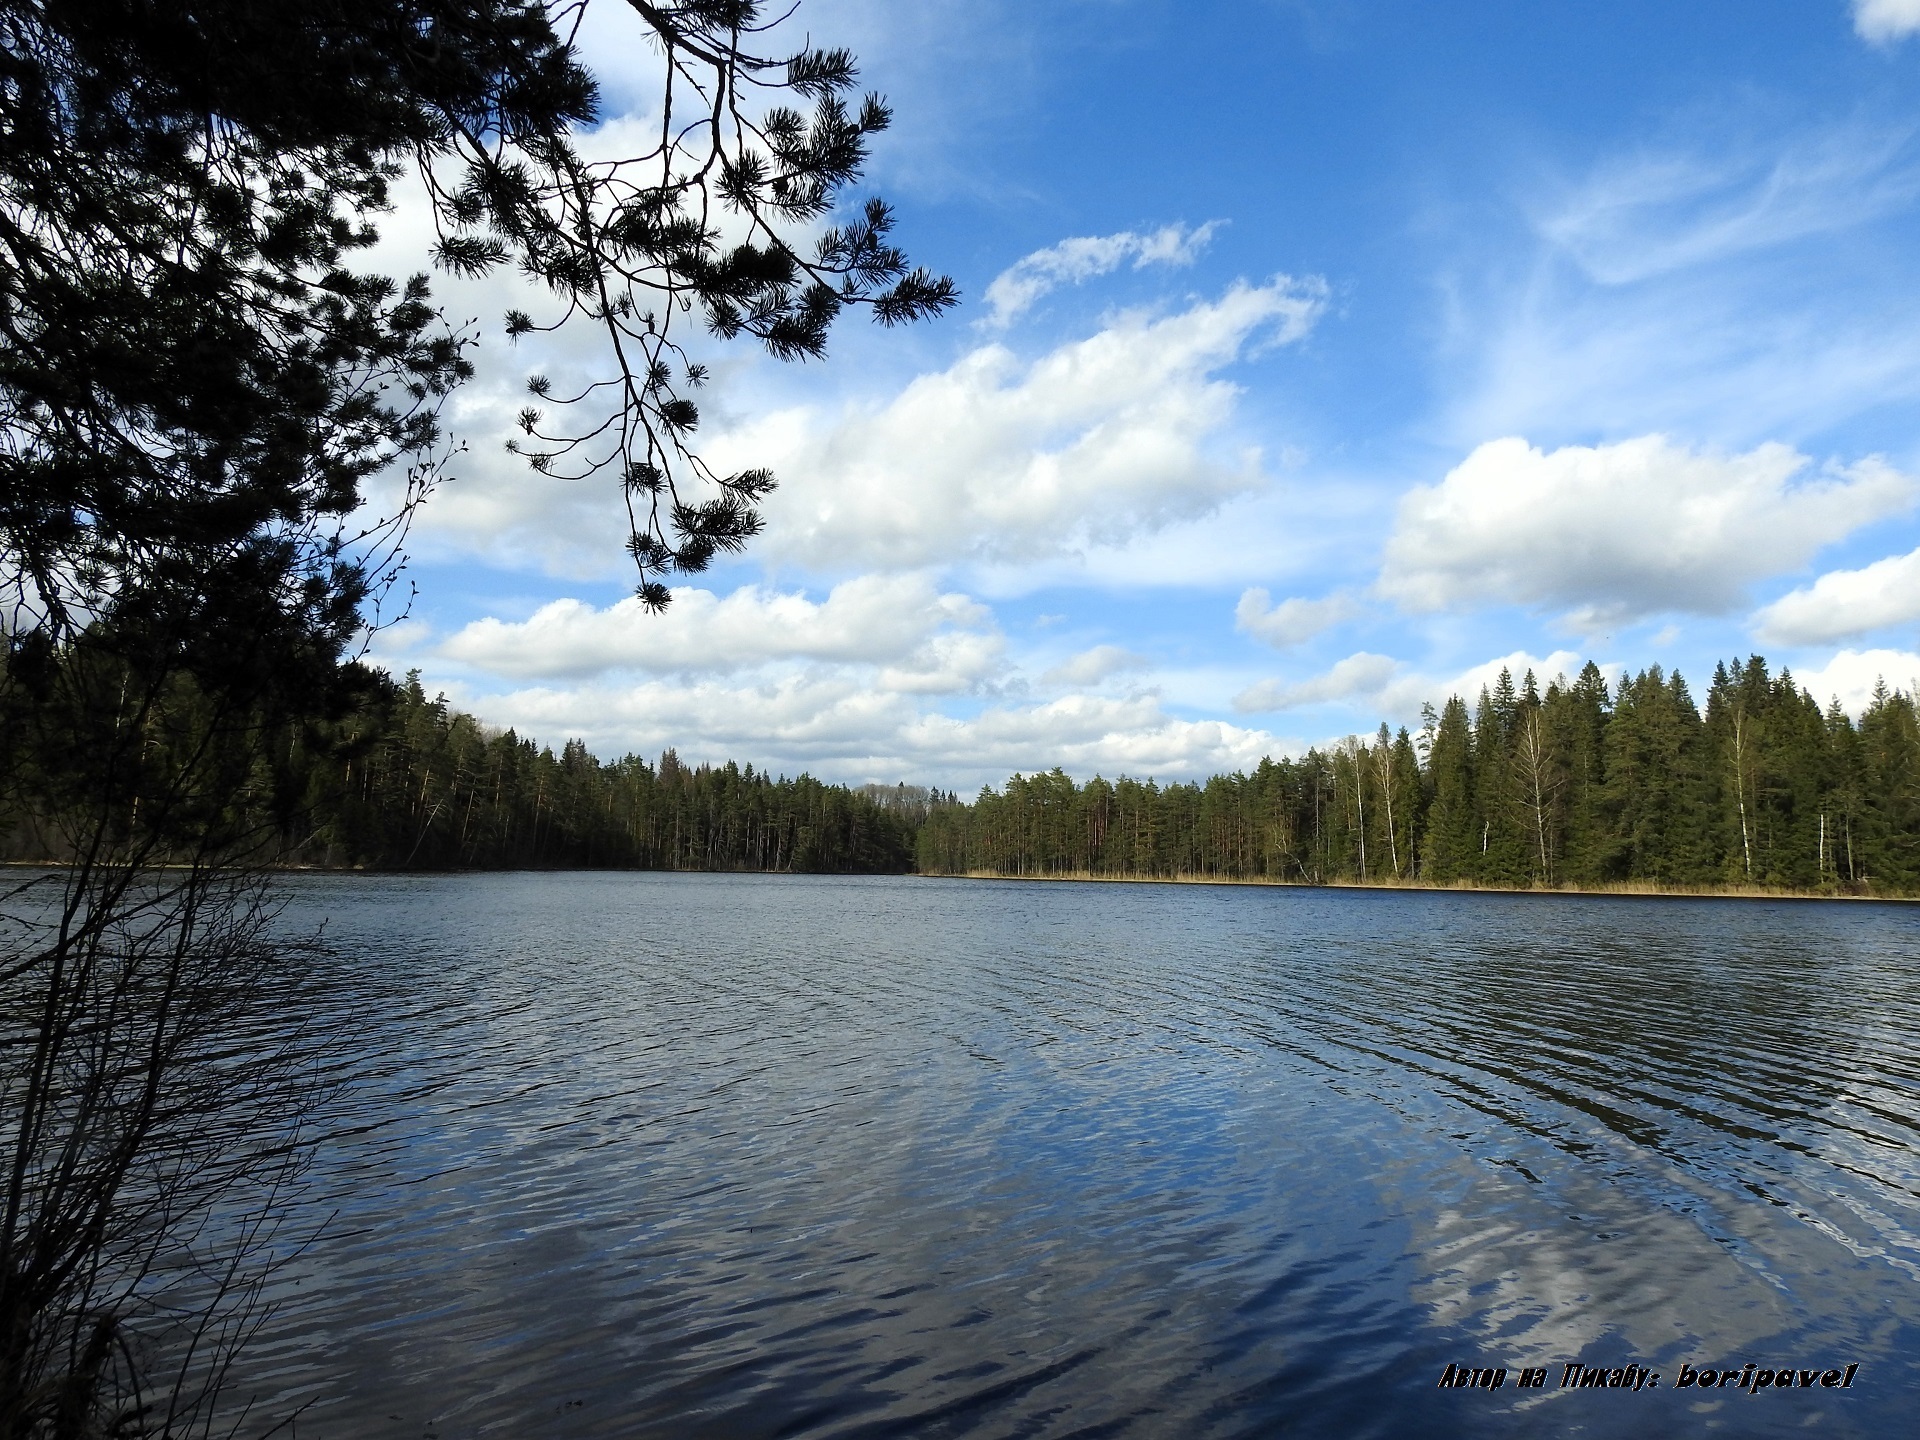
[1614, 888]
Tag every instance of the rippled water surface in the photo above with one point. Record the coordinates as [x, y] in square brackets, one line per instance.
[714, 1156]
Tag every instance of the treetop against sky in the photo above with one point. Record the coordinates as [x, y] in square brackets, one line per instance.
[1315, 359]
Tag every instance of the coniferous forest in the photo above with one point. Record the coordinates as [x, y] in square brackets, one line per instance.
[400, 781]
[1580, 785]
[413, 783]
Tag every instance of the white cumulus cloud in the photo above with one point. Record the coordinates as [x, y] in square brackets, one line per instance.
[1017, 288]
[1851, 676]
[1885, 20]
[1410, 692]
[1389, 689]
[831, 723]
[1609, 533]
[875, 619]
[953, 663]
[996, 460]
[1292, 622]
[1844, 603]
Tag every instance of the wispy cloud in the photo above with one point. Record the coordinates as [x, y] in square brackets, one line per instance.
[1662, 211]
[1732, 288]
[1883, 21]
[1293, 621]
[1016, 289]
[1090, 667]
[1359, 676]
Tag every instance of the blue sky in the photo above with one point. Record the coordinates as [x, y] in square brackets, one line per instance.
[1318, 358]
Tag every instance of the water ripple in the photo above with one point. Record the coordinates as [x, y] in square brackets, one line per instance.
[621, 1155]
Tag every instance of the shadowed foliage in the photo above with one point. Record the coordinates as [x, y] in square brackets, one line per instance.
[199, 378]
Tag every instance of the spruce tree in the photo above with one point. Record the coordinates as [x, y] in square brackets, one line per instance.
[1890, 746]
[1452, 840]
[1585, 706]
[1501, 842]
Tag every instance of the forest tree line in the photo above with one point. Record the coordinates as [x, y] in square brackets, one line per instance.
[401, 781]
[413, 783]
[1582, 785]
[416, 784]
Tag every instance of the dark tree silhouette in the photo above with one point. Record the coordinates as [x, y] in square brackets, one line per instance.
[194, 376]
[198, 375]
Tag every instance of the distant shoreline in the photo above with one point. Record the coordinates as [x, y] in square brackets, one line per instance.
[1625, 890]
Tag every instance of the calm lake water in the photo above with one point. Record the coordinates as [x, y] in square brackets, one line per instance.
[749, 1156]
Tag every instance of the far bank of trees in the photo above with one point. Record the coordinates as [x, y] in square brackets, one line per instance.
[401, 781]
[413, 783]
[1580, 785]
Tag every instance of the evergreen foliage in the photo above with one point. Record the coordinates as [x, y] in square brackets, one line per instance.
[403, 782]
[199, 374]
[195, 378]
[1574, 787]
[412, 783]
[1580, 785]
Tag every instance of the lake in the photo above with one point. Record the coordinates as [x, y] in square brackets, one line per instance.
[758, 1156]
